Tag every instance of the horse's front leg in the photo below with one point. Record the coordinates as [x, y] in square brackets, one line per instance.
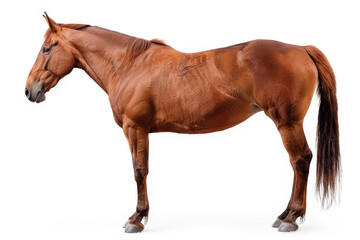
[138, 139]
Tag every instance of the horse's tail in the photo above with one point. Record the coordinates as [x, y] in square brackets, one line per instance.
[328, 150]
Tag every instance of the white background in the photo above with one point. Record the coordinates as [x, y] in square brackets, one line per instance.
[65, 166]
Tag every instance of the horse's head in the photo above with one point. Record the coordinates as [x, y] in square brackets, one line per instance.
[54, 61]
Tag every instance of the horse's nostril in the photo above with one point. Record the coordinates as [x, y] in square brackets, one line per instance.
[27, 93]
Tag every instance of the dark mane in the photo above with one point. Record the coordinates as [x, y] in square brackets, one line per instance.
[74, 26]
[158, 41]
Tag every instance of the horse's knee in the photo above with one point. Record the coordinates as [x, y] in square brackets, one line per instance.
[140, 173]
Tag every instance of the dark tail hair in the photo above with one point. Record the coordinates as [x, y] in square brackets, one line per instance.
[328, 149]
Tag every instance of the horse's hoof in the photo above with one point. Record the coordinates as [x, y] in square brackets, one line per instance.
[288, 227]
[133, 228]
[277, 223]
[127, 222]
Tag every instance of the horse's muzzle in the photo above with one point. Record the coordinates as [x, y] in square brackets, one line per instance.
[35, 93]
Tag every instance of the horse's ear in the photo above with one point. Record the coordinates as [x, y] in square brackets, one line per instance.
[52, 24]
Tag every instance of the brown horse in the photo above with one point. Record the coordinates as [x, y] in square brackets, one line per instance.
[154, 88]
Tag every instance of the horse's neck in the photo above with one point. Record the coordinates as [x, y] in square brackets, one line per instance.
[100, 52]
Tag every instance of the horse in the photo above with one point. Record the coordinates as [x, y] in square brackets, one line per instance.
[155, 88]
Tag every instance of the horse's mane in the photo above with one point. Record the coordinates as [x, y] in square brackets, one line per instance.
[158, 41]
[74, 26]
[137, 46]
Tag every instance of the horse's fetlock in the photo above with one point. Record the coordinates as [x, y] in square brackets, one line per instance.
[142, 210]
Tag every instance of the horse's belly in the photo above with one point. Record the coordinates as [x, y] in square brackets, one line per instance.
[204, 119]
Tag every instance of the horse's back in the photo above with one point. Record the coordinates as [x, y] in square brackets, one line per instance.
[202, 92]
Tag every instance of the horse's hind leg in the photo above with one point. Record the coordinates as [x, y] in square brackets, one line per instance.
[300, 157]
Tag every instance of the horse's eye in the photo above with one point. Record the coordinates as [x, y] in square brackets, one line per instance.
[46, 50]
